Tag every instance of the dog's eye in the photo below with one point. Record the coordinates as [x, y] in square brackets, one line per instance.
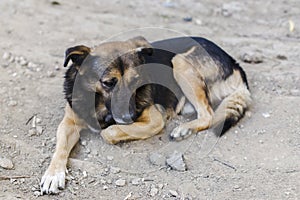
[109, 83]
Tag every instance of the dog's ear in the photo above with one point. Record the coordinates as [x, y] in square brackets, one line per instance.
[77, 54]
[142, 45]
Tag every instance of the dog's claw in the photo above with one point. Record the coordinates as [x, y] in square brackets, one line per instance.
[180, 133]
[51, 184]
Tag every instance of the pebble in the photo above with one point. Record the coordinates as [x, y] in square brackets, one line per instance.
[23, 61]
[6, 56]
[187, 19]
[39, 130]
[175, 161]
[295, 92]
[12, 103]
[157, 159]
[115, 170]
[266, 115]
[6, 163]
[110, 158]
[136, 181]
[173, 193]
[50, 74]
[83, 142]
[36, 193]
[153, 191]
[253, 58]
[120, 182]
[32, 132]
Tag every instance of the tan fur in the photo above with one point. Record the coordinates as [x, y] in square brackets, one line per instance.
[67, 136]
[150, 123]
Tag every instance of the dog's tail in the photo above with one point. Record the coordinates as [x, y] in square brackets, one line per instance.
[231, 110]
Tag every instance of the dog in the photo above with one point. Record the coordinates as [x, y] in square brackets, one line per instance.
[200, 75]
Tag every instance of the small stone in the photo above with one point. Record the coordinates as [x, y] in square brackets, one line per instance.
[6, 163]
[11, 59]
[252, 57]
[115, 170]
[84, 173]
[136, 181]
[39, 130]
[173, 193]
[187, 19]
[6, 56]
[153, 191]
[12, 103]
[266, 115]
[120, 182]
[32, 132]
[105, 187]
[23, 61]
[157, 159]
[83, 142]
[36, 193]
[160, 186]
[38, 120]
[295, 92]
[236, 187]
[31, 65]
[198, 21]
[57, 68]
[50, 74]
[175, 161]
[261, 141]
[110, 158]
[281, 57]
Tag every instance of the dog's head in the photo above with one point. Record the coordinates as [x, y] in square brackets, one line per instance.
[96, 74]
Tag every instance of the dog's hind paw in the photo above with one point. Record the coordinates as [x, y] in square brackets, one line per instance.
[180, 133]
[51, 183]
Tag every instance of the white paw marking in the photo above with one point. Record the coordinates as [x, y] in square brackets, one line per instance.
[50, 184]
[180, 133]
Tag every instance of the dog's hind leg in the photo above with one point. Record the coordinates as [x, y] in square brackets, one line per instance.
[150, 123]
[231, 110]
[67, 137]
[194, 88]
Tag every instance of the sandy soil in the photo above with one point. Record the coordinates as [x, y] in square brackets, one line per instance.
[257, 159]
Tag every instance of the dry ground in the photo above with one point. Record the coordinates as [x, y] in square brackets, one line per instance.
[257, 159]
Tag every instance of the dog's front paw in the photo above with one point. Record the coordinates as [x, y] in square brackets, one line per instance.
[180, 133]
[111, 134]
[52, 182]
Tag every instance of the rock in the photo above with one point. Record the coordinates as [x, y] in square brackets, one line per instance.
[175, 161]
[6, 163]
[6, 56]
[252, 57]
[23, 61]
[110, 158]
[157, 159]
[120, 182]
[39, 130]
[32, 132]
[173, 193]
[169, 4]
[187, 19]
[295, 92]
[136, 181]
[12, 103]
[266, 115]
[83, 142]
[115, 170]
[50, 74]
[37, 193]
[153, 191]
[281, 57]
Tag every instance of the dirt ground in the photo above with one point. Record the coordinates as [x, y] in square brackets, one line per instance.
[259, 158]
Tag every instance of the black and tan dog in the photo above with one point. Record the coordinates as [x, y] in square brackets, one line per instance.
[203, 75]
